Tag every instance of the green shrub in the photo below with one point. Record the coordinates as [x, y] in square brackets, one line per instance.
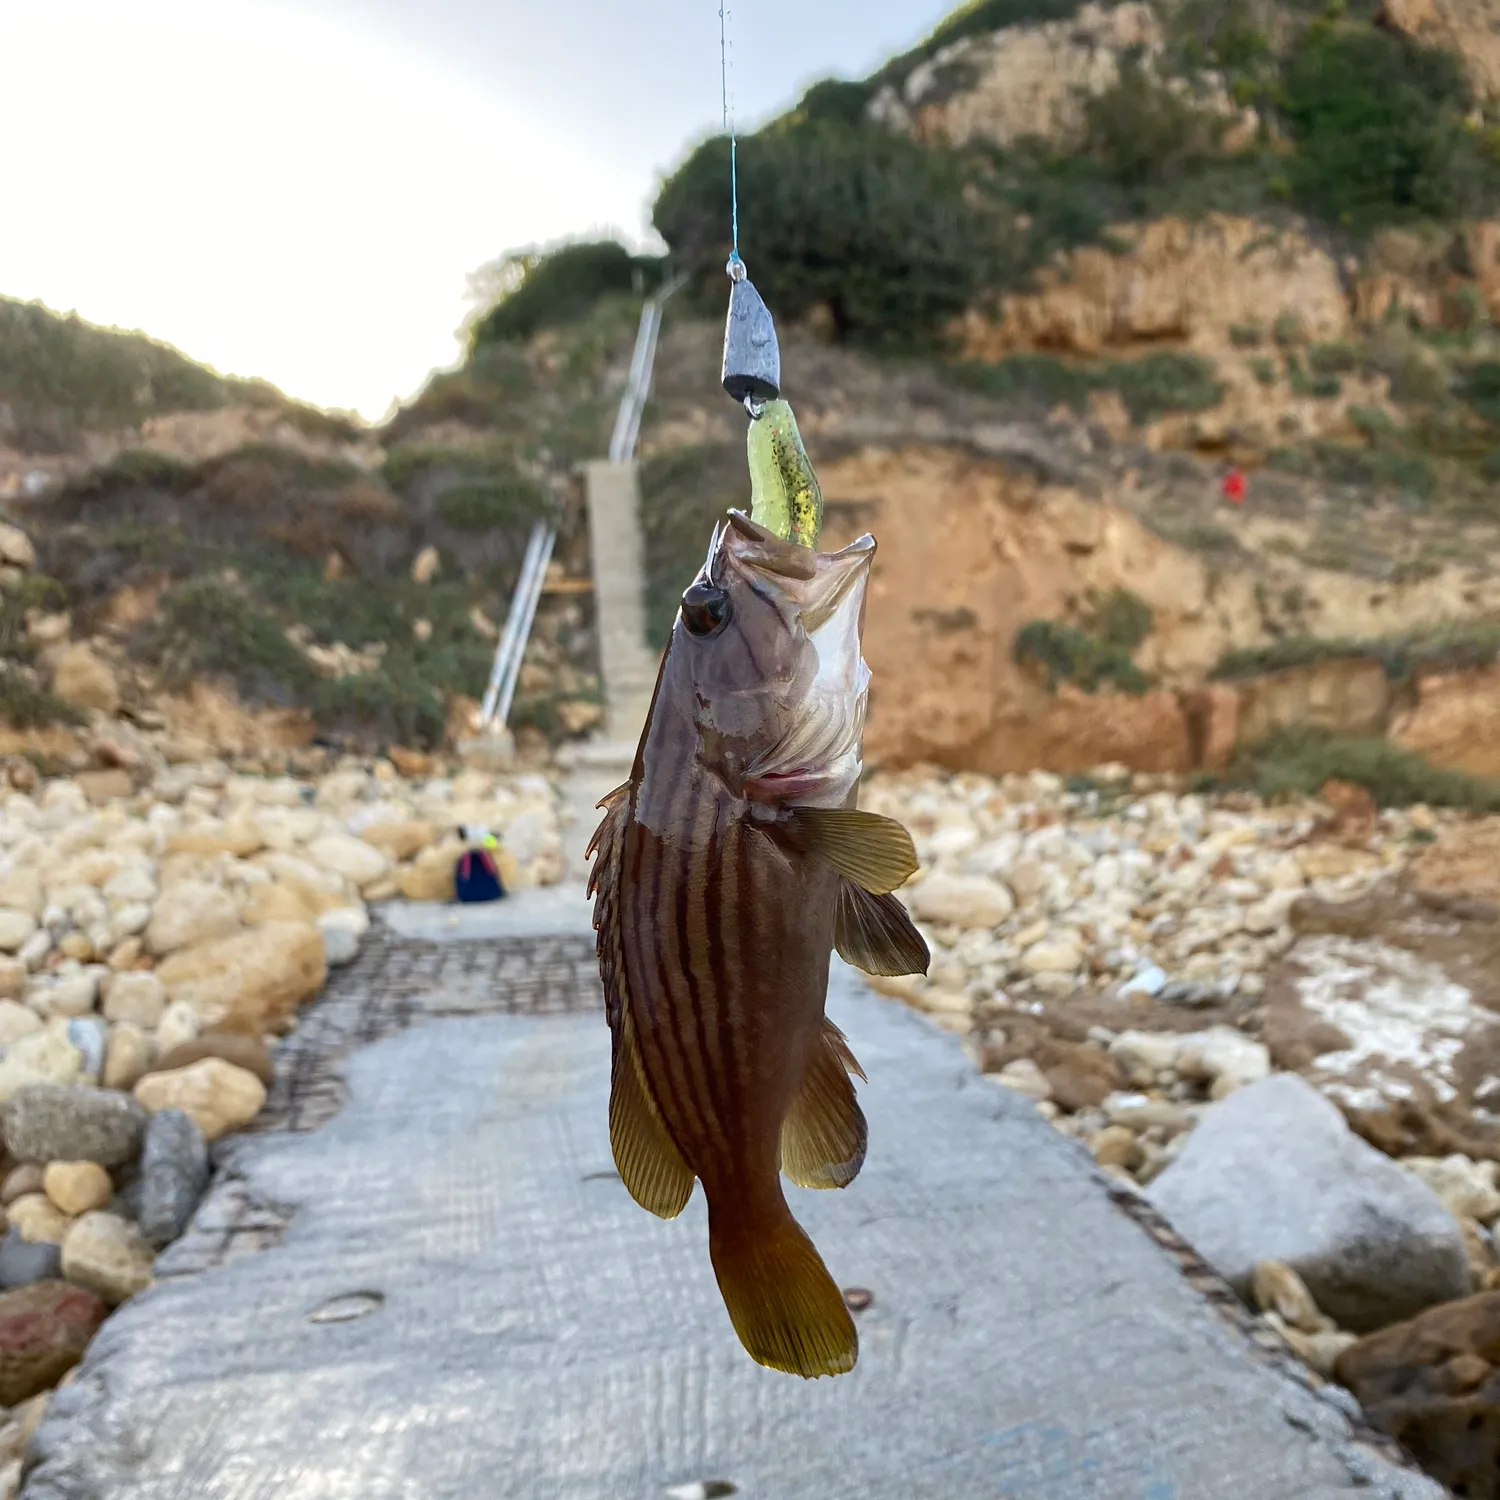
[1165, 382]
[1378, 122]
[837, 100]
[26, 704]
[1263, 369]
[561, 285]
[1121, 619]
[1287, 330]
[1066, 654]
[1333, 359]
[1141, 131]
[1466, 646]
[1244, 336]
[891, 235]
[1149, 386]
[1297, 763]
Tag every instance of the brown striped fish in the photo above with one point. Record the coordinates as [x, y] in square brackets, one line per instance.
[725, 872]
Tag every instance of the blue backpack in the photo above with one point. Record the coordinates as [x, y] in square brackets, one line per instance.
[476, 877]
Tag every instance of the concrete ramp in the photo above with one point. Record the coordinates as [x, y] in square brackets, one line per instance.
[425, 1282]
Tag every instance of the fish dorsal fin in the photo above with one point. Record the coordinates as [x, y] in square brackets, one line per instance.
[604, 884]
[872, 851]
[874, 933]
[650, 1166]
[823, 1135]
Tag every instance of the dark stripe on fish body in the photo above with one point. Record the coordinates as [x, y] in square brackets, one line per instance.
[658, 1038]
[690, 1018]
[725, 964]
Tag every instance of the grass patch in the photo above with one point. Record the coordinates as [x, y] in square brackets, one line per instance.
[546, 288]
[1298, 763]
[1458, 647]
[1151, 386]
[1063, 653]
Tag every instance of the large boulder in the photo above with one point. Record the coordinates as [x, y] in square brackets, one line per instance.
[251, 982]
[73, 1122]
[1273, 1172]
[1434, 1384]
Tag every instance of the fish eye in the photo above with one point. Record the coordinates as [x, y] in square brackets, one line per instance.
[705, 608]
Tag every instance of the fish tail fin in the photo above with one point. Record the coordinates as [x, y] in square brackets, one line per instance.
[785, 1307]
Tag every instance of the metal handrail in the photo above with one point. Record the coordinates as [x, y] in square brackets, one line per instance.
[505, 672]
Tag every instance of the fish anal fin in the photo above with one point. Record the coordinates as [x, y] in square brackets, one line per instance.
[824, 1134]
[650, 1166]
[875, 933]
[785, 1307]
[873, 851]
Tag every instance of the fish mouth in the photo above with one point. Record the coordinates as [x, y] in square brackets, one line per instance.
[819, 584]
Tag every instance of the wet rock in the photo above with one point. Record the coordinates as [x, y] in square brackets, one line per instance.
[1433, 1383]
[174, 1176]
[108, 1256]
[1274, 1173]
[216, 1095]
[44, 1330]
[72, 1122]
[961, 900]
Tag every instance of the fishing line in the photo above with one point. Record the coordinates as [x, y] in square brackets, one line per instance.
[736, 265]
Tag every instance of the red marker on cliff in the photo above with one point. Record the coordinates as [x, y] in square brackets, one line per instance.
[1234, 486]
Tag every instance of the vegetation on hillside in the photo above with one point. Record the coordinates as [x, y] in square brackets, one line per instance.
[61, 377]
[258, 559]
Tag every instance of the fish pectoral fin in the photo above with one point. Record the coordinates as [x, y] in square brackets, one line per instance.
[874, 933]
[874, 852]
[650, 1166]
[824, 1134]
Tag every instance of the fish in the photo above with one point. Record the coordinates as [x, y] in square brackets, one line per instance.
[726, 870]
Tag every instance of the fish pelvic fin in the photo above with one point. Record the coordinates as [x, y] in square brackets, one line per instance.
[785, 1307]
[875, 852]
[875, 933]
[650, 1165]
[824, 1135]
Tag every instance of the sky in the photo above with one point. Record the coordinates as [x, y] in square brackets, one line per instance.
[298, 189]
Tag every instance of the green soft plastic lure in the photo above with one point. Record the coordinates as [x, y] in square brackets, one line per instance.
[784, 493]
